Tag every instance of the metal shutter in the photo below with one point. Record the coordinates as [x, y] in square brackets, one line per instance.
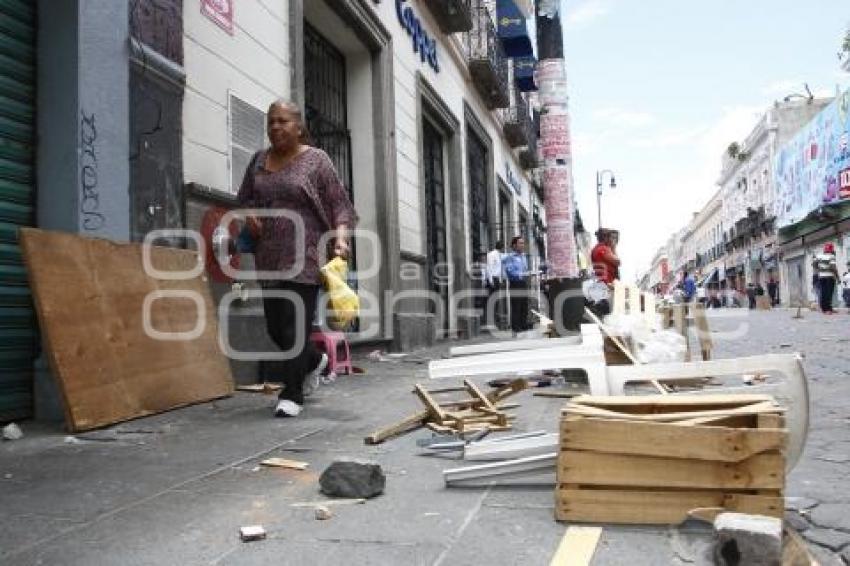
[18, 331]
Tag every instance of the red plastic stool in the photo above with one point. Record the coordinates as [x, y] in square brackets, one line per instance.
[331, 343]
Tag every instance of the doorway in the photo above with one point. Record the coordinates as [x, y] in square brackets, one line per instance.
[435, 211]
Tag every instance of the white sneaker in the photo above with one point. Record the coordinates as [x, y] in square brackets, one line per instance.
[311, 380]
[287, 408]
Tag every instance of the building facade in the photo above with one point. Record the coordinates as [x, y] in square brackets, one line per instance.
[130, 117]
[749, 195]
[779, 200]
[812, 176]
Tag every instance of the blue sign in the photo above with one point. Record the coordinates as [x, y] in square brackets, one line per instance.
[512, 30]
[512, 179]
[524, 73]
[422, 43]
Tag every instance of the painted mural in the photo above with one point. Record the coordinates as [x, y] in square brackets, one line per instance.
[813, 169]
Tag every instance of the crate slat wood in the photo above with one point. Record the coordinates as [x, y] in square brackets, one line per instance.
[653, 459]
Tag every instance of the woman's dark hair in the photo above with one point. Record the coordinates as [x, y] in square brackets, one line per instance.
[299, 116]
[514, 240]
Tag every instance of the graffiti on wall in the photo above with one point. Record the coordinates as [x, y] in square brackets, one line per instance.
[813, 169]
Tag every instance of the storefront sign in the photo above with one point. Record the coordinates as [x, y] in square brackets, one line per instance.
[422, 42]
[512, 179]
[219, 11]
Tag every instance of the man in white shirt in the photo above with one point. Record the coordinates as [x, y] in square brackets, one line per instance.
[827, 273]
[494, 265]
[494, 275]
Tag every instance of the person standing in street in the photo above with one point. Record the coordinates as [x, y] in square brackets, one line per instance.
[772, 292]
[827, 274]
[293, 176]
[751, 295]
[606, 266]
[494, 278]
[516, 271]
[689, 287]
[845, 286]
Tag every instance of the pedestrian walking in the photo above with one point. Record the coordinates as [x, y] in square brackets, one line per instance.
[293, 176]
[689, 287]
[827, 274]
[773, 292]
[751, 295]
[516, 270]
[845, 286]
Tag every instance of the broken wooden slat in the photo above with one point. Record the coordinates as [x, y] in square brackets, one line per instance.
[703, 332]
[419, 418]
[407, 424]
[657, 403]
[577, 547]
[284, 463]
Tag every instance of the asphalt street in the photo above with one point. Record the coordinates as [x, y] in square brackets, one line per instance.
[176, 487]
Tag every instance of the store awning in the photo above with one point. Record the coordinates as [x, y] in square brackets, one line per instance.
[512, 30]
[712, 277]
[524, 73]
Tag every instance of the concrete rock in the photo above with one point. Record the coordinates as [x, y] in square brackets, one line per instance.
[754, 540]
[323, 513]
[12, 432]
[827, 538]
[353, 478]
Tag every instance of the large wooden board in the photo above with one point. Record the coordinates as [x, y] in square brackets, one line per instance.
[89, 295]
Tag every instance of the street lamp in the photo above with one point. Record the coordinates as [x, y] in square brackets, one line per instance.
[599, 176]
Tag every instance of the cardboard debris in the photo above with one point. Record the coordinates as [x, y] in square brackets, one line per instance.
[121, 342]
[284, 463]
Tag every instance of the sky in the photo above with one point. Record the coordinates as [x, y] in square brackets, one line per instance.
[660, 88]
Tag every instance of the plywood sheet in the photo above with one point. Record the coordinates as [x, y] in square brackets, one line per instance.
[90, 296]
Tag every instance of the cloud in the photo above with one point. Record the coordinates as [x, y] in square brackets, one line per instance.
[670, 138]
[621, 117]
[783, 87]
[586, 12]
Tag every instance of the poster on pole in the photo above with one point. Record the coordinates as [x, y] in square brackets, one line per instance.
[219, 11]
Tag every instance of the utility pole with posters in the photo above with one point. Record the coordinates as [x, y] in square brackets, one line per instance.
[566, 300]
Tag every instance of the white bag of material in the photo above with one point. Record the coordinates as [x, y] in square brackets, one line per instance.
[661, 347]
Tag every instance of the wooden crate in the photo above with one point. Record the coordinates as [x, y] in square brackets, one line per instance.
[653, 459]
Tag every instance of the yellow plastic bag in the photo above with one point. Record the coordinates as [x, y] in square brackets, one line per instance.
[343, 302]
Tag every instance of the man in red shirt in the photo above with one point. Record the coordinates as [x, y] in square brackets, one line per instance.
[606, 264]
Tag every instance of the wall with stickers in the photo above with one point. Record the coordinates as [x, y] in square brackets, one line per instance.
[813, 169]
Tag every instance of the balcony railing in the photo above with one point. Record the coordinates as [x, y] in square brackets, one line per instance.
[529, 157]
[452, 15]
[516, 122]
[487, 62]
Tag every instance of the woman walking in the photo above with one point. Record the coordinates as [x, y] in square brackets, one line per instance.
[291, 175]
